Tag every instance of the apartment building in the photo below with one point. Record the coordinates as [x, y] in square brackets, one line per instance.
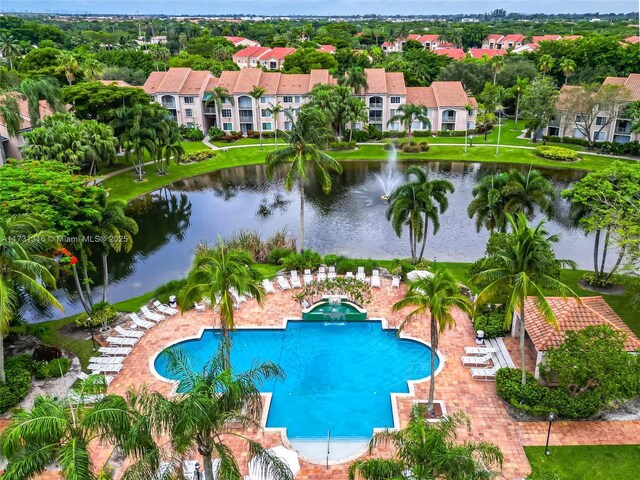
[12, 145]
[242, 42]
[618, 130]
[183, 92]
[262, 57]
[519, 43]
[428, 41]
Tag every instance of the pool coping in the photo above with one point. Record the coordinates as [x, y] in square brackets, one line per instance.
[268, 395]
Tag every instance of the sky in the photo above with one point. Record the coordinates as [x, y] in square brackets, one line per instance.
[316, 7]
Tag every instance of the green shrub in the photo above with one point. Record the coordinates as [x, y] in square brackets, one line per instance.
[374, 133]
[232, 136]
[18, 381]
[394, 134]
[23, 362]
[194, 134]
[342, 145]
[345, 265]
[406, 148]
[259, 248]
[557, 153]
[301, 261]
[356, 135]
[216, 133]
[53, 369]
[491, 322]
[333, 259]
[422, 133]
[277, 254]
[163, 292]
[101, 314]
[590, 278]
[455, 133]
[198, 156]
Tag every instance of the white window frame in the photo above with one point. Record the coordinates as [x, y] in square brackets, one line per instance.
[189, 100]
[266, 126]
[287, 99]
[226, 113]
[395, 100]
[188, 112]
[228, 126]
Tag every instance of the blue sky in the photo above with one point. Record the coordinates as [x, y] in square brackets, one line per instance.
[318, 7]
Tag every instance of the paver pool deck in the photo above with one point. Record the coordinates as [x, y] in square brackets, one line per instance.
[489, 418]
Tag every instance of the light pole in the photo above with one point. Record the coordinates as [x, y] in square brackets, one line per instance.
[552, 417]
[499, 130]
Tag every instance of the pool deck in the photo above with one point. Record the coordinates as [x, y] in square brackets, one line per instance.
[489, 418]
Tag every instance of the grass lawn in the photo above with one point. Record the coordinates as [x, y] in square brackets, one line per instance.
[247, 141]
[601, 462]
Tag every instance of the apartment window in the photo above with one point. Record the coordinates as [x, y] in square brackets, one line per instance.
[188, 100]
[298, 99]
[266, 126]
[287, 99]
[227, 126]
[395, 99]
[579, 118]
[188, 112]
[287, 126]
[264, 112]
[601, 120]
[600, 136]
[273, 65]
[226, 101]
[190, 125]
[265, 100]
[226, 113]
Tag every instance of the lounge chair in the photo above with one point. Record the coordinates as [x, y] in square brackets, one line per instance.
[283, 283]
[322, 274]
[128, 333]
[165, 309]
[375, 278]
[348, 275]
[138, 322]
[85, 398]
[395, 281]
[107, 378]
[476, 360]
[479, 350]
[361, 276]
[308, 277]
[122, 341]
[332, 273]
[238, 299]
[149, 315]
[199, 307]
[268, 286]
[485, 374]
[115, 351]
[295, 279]
[105, 367]
[105, 360]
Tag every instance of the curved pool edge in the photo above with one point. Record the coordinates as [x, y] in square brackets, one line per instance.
[268, 395]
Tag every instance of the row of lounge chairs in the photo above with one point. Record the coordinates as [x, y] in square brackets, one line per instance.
[479, 359]
[294, 280]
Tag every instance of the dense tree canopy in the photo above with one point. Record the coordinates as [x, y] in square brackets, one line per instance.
[303, 61]
[96, 101]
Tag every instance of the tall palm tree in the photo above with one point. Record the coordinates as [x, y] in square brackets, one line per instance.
[309, 133]
[274, 111]
[427, 450]
[9, 47]
[216, 97]
[407, 113]
[357, 111]
[62, 431]
[436, 296]
[202, 415]
[24, 267]
[521, 270]
[220, 273]
[568, 66]
[357, 80]
[497, 64]
[545, 64]
[256, 93]
[135, 135]
[11, 118]
[69, 65]
[526, 191]
[92, 68]
[415, 203]
[521, 84]
[488, 203]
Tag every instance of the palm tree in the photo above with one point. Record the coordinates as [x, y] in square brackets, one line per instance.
[521, 270]
[92, 68]
[9, 47]
[255, 93]
[357, 111]
[309, 133]
[63, 431]
[415, 203]
[568, 66]
[219, 274]
[497, 64]
[488, 202]
[134, 134]
[217, 96]
[357, 80]
[545, 64]
[436, 295]
[274, 111]
[518, 89]
[24, 267]
[427, 450]
[69, 65]
[11, 118]
[202, 415]
[407, 113]
[524, 192]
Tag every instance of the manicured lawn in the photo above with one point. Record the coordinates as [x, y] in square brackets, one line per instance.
[246, 141]
[606, 462]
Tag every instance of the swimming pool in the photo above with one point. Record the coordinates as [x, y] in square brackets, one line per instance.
[339, 376]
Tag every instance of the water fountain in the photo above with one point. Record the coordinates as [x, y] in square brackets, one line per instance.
[389, 178]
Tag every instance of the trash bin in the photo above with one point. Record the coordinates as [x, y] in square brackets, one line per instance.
[479, 337]
[172, 301]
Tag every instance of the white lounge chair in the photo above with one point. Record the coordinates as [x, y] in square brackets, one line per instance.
[375, 278]
[148, 314]
[268, 286]
[165, 309]
[395, 281]
[138, 322]
[239, 299]
[308, 277]
[476, 360]
[485, 374]
[283, 283]
[295, 279]
[128, 333]
[332, 273]
[85, 398]
[115, 351]
[199, 307]
[107, 378]
[348, 275]
[103, 368]
[322, 274]
[361, 276]
[479, 350]
[122, 341]
[106, 360]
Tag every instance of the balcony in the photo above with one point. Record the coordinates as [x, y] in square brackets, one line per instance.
[169, 105]
[209, 110]
[448, 119]
[246, 115]
[623, 130]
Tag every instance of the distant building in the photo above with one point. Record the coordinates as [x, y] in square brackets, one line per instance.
[242, 42]
[262, 57]
[157, 40]
[488, 52]
[455, 53]
[119, 83]
[13, 145]
[518, 43]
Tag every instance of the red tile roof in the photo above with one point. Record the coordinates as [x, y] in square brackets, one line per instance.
[489, 52]
[119, 83]
[23, 107]
[236, 40]
[494, 36]
[421, 96]
[274, 83]
[181, 81]
[545, 38]
[634, 39]
[248, 52]
[573, 315]
[449, 94]
[455, 53]
[630, 85]
[277, 53]
[327, 48]
[513, 38]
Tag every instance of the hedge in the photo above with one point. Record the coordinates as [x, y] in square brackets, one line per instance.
[17, 372]
[101, 313]
[539, 400]
[557, 153]
[342, 145]
[615, 148]
[53, 369]
[491, 323]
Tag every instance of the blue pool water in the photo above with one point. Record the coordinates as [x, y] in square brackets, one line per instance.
[339, 376]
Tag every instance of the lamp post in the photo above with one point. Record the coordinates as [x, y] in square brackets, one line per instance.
[93, 340]
[552, 417]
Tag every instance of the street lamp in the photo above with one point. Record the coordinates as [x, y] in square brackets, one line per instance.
[552, 417]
